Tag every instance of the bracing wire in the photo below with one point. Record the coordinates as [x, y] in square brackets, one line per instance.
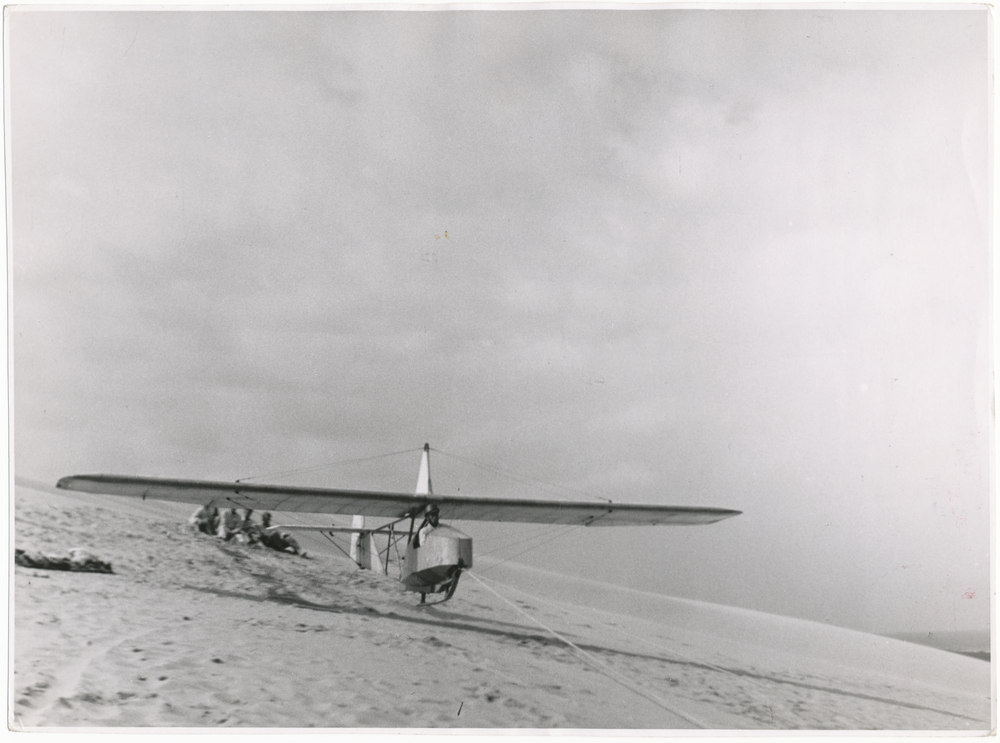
[327, 466]
[544, 532]
[548, 487]
[556, 534]
[593, 661]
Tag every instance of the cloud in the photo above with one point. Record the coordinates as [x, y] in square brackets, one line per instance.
[725, 258]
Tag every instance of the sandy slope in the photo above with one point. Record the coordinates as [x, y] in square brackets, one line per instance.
[192, 632]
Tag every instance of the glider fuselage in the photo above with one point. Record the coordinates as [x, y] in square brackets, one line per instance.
[443, 552]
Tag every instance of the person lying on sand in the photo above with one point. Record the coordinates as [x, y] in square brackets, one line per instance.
[79, 561]
[276, 540]
[205, 520]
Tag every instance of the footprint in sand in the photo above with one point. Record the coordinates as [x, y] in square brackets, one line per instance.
[65, 688]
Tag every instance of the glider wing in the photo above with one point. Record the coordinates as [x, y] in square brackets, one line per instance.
[392, 505]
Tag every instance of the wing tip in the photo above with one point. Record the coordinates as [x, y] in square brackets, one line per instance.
[81, 483]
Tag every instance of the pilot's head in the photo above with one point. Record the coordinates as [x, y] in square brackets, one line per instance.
[432, 515]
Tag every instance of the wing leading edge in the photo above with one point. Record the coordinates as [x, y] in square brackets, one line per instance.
[392, 505]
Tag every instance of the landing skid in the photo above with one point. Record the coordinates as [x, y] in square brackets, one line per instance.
[452, 584]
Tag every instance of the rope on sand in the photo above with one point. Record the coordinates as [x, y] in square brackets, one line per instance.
[566, 610]
[681, 656]
[593, 661]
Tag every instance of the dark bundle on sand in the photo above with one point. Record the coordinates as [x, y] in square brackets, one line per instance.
[79, 561]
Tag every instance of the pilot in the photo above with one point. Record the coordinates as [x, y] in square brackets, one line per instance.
[429, 524]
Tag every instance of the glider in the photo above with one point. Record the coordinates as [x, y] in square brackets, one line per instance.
[435, 553]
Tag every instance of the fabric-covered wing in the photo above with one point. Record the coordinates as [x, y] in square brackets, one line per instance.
[391, 505]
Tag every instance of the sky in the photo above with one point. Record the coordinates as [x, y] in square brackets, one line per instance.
[684, 257]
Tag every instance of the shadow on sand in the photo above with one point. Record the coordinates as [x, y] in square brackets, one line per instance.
[523, 636]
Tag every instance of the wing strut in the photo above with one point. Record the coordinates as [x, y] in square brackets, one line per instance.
[364, 550]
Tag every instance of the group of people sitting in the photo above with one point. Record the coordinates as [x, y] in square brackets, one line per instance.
[228, 524]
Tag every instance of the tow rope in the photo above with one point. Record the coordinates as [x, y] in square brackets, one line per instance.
[591, 660]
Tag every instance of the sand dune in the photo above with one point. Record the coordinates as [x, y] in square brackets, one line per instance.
[191, 632]
[975, 644]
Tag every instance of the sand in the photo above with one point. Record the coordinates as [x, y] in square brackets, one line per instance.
[192, 632]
